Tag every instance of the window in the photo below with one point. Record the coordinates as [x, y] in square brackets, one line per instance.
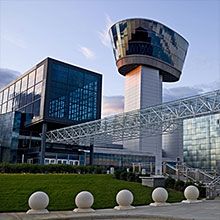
[23, 99]
[59, 73]
[9, 108]
[56, 108]
[36, 109]
[1, 94]
[4, 107]
[24, 84]
[28, 109]
[37, 92]
[11, 91]
[31, 79]
[16, 102]
[40, 74]
[30, 94]
[18, 87]
[5, 95]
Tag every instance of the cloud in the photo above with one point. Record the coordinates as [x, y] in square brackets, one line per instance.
[6, 76]
[103, 35]
[112, 105]
[170, 94]
[88, 53]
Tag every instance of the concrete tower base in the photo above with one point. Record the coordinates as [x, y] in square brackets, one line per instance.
[143, 88]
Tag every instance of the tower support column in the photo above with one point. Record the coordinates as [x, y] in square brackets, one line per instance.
[143, 88]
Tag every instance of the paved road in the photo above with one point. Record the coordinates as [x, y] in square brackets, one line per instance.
[206, 210]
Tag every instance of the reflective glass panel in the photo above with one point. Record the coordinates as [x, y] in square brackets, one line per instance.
[30, 94]
[1, 94]
[37, 91]
[5, 95]
[11, 91]
[40, 74]
[9, 107]
[31, 79]
[16, 102]
[24, 83]
[73, 93]
[147, 37]
[28, 109]
[23, 99]
[4, 108]
[36, 108]
[60, 73]
[18, 87]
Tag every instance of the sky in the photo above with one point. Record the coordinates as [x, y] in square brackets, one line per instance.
[76, 31]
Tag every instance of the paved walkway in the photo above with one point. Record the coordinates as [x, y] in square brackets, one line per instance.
[206, 210]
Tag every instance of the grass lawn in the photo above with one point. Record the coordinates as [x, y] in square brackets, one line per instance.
[15, 190]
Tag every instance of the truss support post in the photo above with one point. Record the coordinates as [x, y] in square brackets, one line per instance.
[43, 143]
[91, 154]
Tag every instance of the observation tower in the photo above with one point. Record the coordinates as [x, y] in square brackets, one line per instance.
[147, 53]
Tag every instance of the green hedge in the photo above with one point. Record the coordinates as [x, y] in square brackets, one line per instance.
[51, 168]
[122, 174]
[180, 185]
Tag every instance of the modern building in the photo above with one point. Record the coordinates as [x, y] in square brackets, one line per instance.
[147, 53]
[61, 101]
[50, 95]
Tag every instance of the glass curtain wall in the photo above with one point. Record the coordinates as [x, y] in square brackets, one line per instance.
[201, 142]
[9, 134]
[24, 95]
[74, 94]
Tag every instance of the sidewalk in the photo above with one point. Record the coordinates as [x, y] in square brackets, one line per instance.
[206, 210]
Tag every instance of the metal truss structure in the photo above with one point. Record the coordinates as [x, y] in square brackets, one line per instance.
[134, 124]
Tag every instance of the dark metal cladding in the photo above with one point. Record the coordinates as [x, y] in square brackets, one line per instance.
[146, 42]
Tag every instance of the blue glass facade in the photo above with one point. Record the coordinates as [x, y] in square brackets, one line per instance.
[73, 94]
[25, 93]
[9, 134]
[55, 92]
[201, 142]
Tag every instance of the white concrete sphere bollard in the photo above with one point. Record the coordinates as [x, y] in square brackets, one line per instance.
[159, 196]
[84, 200]
[191, 193]
[124, 198]
[38, 203]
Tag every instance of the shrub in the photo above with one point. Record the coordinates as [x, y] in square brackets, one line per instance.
[179, 185]
[123, 175]
[131, 177]
[51, 168]
[170, 182]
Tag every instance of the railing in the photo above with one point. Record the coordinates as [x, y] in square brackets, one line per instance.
[184, 172]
